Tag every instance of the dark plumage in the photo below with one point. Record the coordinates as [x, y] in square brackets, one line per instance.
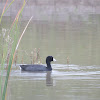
[37, 67]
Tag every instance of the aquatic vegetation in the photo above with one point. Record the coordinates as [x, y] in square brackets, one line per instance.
[35, 56]
[5, 9]
[11, 41]
[67, 60]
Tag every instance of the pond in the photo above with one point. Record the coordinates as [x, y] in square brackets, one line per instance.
[75, 44]
[71, 82]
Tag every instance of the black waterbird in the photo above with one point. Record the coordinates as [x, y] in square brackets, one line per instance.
[37, 67]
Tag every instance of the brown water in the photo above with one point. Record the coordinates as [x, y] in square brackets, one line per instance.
[78, 41]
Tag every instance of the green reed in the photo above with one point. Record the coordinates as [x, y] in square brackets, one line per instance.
[5, 9]
[13, 34]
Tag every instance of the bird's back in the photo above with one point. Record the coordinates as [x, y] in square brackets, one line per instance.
[34, 67]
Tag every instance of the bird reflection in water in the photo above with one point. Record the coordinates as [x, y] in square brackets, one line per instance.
[49, 80]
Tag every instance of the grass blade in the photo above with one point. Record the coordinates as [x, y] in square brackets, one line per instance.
[15, 47]
[14, 26]
[3, 11]
[23, 33]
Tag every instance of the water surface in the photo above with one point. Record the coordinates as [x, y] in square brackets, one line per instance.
[74, 42]
[71, 82]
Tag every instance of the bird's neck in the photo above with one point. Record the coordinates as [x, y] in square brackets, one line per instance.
[49, 66]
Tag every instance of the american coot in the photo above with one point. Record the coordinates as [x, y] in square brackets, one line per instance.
[36, 67]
